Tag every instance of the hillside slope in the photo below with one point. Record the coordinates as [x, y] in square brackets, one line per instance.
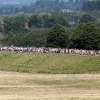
[49, 63]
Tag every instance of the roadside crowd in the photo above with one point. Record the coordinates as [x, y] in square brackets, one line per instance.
[49, 50]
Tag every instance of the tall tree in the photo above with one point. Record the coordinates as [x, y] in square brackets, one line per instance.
[57, 37]
[87, 36]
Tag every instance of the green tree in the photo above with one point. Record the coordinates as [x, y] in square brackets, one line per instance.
[8, 26]
[1, 26]
[36, 37]
[57, 37]
[18, 23]
[87, 36]
[87, 18]
[15, 24]
[35, 20]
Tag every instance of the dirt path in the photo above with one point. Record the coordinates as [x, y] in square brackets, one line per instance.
[20, 86]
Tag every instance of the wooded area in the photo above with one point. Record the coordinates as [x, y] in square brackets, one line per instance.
[77, 29]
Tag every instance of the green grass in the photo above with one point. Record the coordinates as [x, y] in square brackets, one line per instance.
[49, 63]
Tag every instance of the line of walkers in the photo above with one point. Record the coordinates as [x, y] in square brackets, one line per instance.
[50, 50]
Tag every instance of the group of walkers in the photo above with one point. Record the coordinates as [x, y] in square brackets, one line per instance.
[49, 50]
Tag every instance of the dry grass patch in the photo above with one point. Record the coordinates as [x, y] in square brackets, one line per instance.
[22, 86]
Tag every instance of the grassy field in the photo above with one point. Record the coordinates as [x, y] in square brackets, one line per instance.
[28, 86]
[49, 76]
[49, 63]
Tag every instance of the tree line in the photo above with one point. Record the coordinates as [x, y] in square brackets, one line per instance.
[51, 30]
[23, 23]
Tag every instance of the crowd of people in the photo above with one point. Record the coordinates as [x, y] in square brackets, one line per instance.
[49, 50]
